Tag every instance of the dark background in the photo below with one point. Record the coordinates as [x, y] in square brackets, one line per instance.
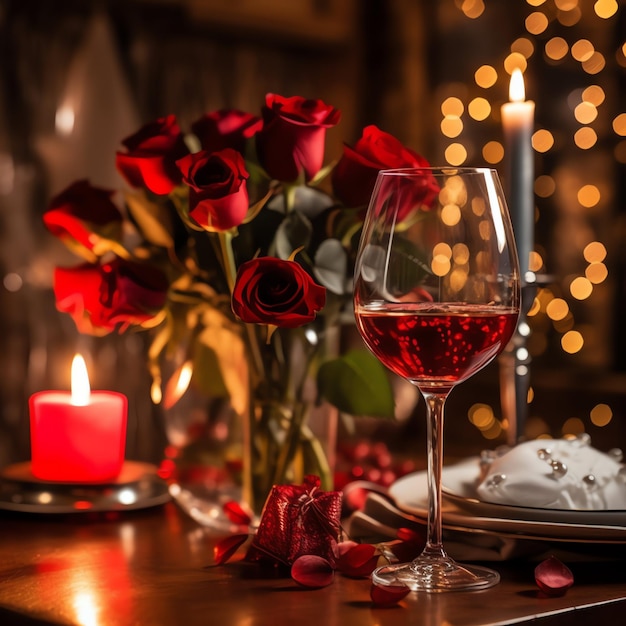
[123, 63]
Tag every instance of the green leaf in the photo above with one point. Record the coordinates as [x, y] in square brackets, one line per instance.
[331, 266]
[306, 200]
[257, 174]
[358, 384]
[294, 232]
[323, 173]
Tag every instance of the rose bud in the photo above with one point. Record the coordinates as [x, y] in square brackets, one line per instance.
[293, 136]
[226, 129]
[355, 174]
[151, 155]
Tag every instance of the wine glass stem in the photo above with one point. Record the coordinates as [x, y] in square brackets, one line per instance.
[435, 402]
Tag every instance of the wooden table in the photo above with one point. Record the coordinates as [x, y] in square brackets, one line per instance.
[154, 568]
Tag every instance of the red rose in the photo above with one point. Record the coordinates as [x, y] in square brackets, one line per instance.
[101, 298]
[355, 174]
[218, 195]
[293, 135]
[226, 129]
[81, 214]
[410, 191]
[152, 152]
[273, 291]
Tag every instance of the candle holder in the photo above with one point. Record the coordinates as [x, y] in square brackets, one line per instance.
[137, 486]
[514, 364]
[78, 441]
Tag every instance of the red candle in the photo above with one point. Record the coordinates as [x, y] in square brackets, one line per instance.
[78, 436]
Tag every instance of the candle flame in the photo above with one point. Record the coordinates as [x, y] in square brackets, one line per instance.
[80, 382]
[177, 385]
[517, 92]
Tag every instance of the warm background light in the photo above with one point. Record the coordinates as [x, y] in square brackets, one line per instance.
[486, 76]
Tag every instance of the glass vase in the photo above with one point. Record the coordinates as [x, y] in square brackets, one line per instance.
[217, 455]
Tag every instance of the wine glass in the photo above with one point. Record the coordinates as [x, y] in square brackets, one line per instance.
[436, 298]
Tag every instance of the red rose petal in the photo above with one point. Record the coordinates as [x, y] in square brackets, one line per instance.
[355, 498]
[359, 560]
[339, 549]
[388, 596]
[553, 577]
[225, 548]
[236, 514]
[312, 571]
[408, 534]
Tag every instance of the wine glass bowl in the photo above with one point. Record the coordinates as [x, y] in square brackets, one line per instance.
[436, 298]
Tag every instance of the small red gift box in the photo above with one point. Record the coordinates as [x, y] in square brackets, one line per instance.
[298, 520]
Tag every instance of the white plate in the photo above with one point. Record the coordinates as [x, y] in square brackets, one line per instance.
[410, 494]
[459, 485]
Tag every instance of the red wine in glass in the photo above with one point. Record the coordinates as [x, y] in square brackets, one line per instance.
[435, 344]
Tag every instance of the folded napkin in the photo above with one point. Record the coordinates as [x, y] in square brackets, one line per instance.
[380, 519]
[554, 474]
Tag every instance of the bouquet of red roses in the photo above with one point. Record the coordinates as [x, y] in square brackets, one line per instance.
[233, 245]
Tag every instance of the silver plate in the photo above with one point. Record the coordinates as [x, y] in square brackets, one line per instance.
[138, 486]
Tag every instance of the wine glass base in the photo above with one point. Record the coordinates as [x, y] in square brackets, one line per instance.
[436, 575]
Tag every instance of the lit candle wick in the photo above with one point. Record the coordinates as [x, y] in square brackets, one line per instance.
[80, 382]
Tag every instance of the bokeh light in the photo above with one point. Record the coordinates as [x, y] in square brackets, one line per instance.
[486, 76]
[493, 152]
[452, 106]
[479, 109]
[542, 140]
[566, 5]
[451, 126]
[581, 288]
[594, 252]
[556, 48]
[596, 273]
[573, 426]
[557, 309]
[545, 186]
[619, 124]
[572, 342]
[515, 61]
[605, 8]
[583, 50]
[585, 138]
[585, 112]
[473, 8]
[536, 23]
[523, 46]
[594, 94]
[595, 64]
[456, 154]
[588, 195]
[601, 415]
